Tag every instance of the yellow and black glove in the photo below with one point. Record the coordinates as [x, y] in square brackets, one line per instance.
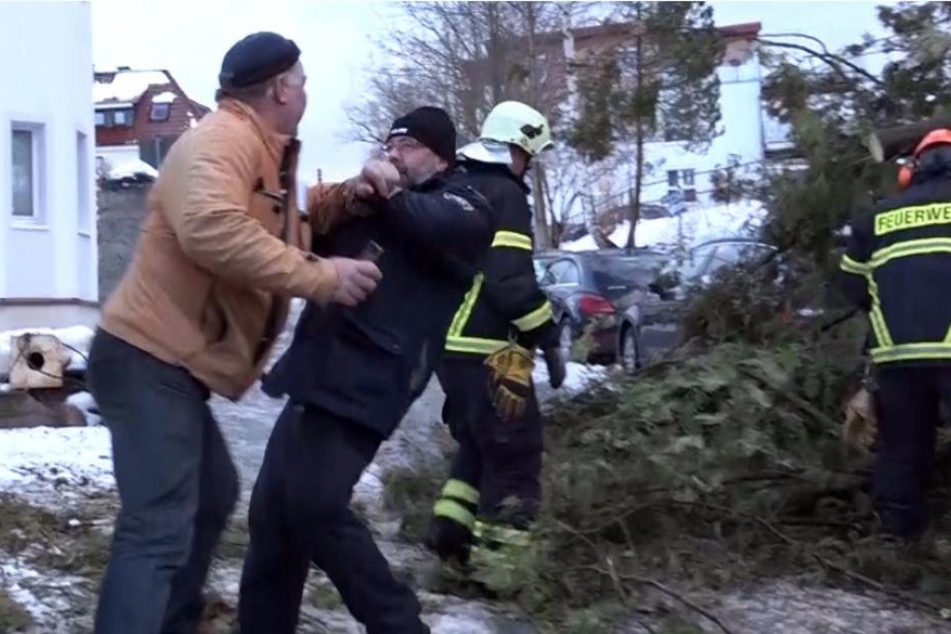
[510, 380]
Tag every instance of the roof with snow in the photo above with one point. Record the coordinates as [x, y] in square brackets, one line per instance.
[125, 85]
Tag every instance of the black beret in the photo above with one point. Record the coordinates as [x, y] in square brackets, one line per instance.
[256, 58]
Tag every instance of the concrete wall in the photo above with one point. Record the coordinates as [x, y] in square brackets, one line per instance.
[49, 253]
[120, 217]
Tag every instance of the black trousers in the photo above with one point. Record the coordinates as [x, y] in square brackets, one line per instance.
[177, 485]
[300, 513]
[908, 403]
[502, 459]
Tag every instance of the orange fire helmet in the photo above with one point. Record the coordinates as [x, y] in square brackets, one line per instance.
[935, 137]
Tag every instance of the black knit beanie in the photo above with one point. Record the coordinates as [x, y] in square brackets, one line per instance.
[430, 126]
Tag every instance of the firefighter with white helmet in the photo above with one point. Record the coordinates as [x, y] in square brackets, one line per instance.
[491, 498]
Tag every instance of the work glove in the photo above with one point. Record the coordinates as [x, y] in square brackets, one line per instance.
[556, 366]
[510, 380]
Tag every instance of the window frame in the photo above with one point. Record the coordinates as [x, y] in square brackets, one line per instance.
[37, 131]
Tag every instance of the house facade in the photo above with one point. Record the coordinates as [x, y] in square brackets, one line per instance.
[747, 137]
[138, 115]
[48, 254]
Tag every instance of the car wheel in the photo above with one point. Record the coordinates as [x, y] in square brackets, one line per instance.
[565, 340]
[630, 355]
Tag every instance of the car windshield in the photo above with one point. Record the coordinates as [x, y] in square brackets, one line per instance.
[623, 272]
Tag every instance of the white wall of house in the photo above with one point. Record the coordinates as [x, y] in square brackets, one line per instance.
[741, 126]
[47, 169]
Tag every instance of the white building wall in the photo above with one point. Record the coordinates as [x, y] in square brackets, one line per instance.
[741, 136]
[51, 254]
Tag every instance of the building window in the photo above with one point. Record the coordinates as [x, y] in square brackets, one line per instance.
[683, 181]
[27, 158]
[100, 118]
[160, 111]
[83, 178]
[123, 117]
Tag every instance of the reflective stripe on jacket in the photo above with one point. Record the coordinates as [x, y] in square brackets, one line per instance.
[898, 268]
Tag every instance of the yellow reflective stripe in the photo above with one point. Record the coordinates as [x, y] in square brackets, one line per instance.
[535, 318]
[501, 534]
[925, 246]
[851, 266]
[451, 509]
[876, 317]
[474, 345]
[512, 239]
[461, 491]
[911, 352]
[464, 312]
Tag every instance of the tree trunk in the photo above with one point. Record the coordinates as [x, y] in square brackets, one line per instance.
[542, 231]
[496, 58]
[889, 143]
[635, 209]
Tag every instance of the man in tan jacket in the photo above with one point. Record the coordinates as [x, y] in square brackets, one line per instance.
[221, 253]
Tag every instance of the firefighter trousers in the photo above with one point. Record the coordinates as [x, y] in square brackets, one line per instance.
[908, 403]
[495, 478]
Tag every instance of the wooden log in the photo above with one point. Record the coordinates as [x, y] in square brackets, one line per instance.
[900, 141]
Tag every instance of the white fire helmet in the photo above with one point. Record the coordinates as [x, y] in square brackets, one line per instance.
[516, 123]
[510, 122]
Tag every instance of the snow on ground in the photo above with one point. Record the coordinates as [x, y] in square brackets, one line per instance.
[77, 340]
[696, 225]
[578, 376]
[46, 465]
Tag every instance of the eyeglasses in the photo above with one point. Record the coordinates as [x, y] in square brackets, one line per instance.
[402, 144]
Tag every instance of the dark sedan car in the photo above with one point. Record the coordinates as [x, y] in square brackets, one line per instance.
[586, 288]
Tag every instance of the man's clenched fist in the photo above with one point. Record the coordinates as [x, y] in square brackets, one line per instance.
[378, 177]
[358, 278]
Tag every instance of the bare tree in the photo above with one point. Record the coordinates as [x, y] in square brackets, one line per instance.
[468, 56]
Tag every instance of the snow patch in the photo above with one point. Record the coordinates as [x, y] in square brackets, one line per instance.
[128, 85]
[45, 465]
[166, 97]
[18, 578]
[578, 376]
[77, 340]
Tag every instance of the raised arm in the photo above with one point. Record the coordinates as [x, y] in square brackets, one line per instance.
[208, 212]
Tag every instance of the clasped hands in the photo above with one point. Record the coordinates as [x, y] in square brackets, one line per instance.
[377, 178]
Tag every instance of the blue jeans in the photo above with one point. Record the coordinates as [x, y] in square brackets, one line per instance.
[177, 487]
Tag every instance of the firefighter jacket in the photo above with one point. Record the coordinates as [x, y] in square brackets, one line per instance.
[897, 267]
[369, 363]
[504, 302]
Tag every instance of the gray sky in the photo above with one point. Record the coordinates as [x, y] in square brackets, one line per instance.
[189, 38]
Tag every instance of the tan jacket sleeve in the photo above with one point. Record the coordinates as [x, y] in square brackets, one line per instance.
[209, 214]
[328, 205]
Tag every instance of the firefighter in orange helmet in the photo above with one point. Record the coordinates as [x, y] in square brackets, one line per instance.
[897, 267]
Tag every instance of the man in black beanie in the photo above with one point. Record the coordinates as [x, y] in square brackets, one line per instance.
[352, 374]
